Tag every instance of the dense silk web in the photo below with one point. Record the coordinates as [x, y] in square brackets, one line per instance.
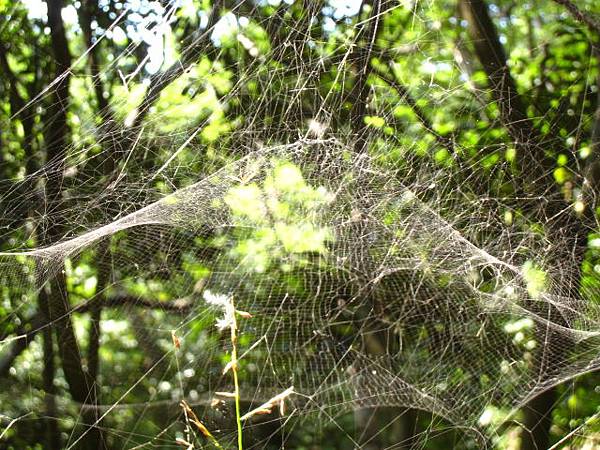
[377, 273]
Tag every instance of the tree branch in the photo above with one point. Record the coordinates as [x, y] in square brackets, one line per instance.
[404, 94]
[38, 322]
[361, 59]
[161, 80]
[592, 166]
[579, 15]
[513, 113]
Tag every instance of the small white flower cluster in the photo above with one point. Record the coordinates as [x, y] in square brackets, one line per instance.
[226, 304]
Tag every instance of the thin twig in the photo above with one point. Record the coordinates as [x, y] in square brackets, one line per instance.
[580, 15]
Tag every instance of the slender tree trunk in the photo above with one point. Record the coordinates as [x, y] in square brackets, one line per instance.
[92, 415]
[365, 419]
[87, 12]
[361, 60]
[513, 112]
[531, 146]
[375, 427]
[593, 162]
[52, 437]
[52, 434]
[537, 419]
[56, 298]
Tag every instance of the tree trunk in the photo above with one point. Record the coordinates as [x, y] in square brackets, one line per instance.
[361, 60]
[52, 434]
[537, 419]
[531, 147]
[375, 427]
[55, 298]
[52, 437]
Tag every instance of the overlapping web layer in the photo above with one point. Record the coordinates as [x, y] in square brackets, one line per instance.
[362, 295]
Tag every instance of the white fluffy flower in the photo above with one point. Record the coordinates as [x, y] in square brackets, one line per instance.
[216, 299]
[225, 323]
[226, 304]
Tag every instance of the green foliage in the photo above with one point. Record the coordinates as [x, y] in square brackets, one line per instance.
[278, 218]
[535, 279]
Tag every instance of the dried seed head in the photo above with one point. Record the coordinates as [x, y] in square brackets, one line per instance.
[176, 341]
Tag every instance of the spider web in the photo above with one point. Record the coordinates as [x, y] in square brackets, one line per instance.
[399, 277]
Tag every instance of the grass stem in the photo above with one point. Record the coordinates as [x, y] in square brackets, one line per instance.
[234, 368]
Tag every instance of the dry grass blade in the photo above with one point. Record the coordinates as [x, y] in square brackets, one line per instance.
[267, 407]
[194, 419]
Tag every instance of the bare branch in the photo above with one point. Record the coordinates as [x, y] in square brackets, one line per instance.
[579, 15]
[404, 94]
[161, 80]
